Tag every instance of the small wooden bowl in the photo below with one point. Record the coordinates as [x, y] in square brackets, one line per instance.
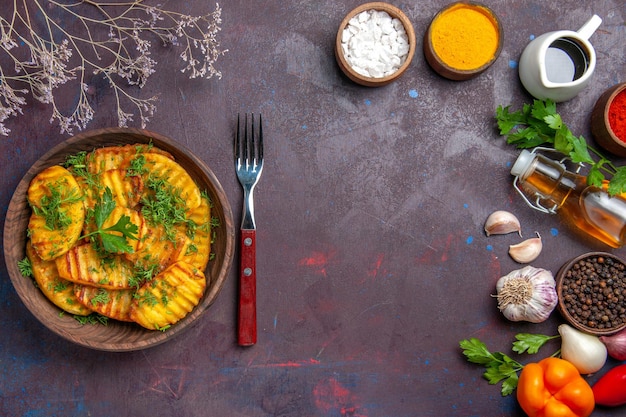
[116, 336]
[601, 126]
[565, 289]
[444, 69]
[394, 12]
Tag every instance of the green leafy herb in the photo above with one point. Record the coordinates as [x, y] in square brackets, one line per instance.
[531, 343]
[93, 318]
[539, 124]
[112, 241]
[164, 206]
[60, 285]
[50, 207]
[137, 166]
[102, 297]
[499, 366]
[25, 267]
[77, 163]
[143, 273]
[162, 329]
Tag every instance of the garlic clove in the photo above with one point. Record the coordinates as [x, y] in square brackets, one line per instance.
[526, 251]
[501, 222]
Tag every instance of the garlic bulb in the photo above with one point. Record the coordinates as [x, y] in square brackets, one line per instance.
[585, 351]
[526, 251]
[616, 345]
[527, 294]
[502, 222]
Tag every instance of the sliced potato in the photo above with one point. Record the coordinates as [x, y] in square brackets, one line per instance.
[155, 247]
[197, 247]
[55, 288]
[169, 297]
[126, 189]
[118, 157]
[82, 265]
[58, 212]
[114, 304]
[172, 173]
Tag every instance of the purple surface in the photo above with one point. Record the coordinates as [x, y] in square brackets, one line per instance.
[372, 260]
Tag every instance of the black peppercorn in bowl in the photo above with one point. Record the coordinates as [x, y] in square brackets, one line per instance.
[592, 293]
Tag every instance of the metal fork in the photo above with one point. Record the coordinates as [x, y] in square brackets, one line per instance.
[248, 164]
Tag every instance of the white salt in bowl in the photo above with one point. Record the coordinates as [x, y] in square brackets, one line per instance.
[377, 46]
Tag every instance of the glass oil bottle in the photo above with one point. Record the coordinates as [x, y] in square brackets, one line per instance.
[546, 185]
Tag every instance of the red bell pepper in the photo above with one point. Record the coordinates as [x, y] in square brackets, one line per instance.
[610, 389]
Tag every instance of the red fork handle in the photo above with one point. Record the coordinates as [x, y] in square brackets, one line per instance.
[246, 333]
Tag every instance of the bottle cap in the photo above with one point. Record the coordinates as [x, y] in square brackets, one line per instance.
[523, 162]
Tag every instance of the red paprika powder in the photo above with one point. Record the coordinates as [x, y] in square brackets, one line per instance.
[617, 115]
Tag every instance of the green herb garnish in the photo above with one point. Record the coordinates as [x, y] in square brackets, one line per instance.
[498, 365]
[25, 267]
[539, 124]
[102, 297]
[50, 207]
[93, 318]
[142, 274]
[137, 166]
[165, 206]
[77, 163]
[112, 241]
[530, 343]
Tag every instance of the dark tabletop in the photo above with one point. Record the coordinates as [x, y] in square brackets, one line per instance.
[372, 260]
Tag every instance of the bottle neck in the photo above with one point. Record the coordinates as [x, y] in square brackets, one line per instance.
[548, 180]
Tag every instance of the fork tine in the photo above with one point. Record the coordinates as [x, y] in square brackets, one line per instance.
[238, 142]
[249, 141]
[246, 140]
[260, 148]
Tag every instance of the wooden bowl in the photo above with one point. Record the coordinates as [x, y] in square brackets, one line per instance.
[605, 275]
[601, 126]
[443, 68]
[345, 66]
[116, 336]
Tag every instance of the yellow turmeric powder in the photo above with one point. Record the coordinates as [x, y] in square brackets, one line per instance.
[465, 36]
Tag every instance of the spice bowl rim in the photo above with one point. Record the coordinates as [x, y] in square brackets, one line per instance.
[347, 69]
[559, 289]
[441, 67]
[600, 125]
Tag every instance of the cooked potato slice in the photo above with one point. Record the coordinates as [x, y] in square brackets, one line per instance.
[55, 288]
[155, 247]
[175, 176]
[197, 247]
[58, 213]
[114, 304]
[118, 157]
[82, 265]
[169, 297]
[126, 188]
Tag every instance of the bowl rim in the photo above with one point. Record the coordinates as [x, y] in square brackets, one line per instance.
[559, 285]
[394, 12]
[456, 73]
[65, 325]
